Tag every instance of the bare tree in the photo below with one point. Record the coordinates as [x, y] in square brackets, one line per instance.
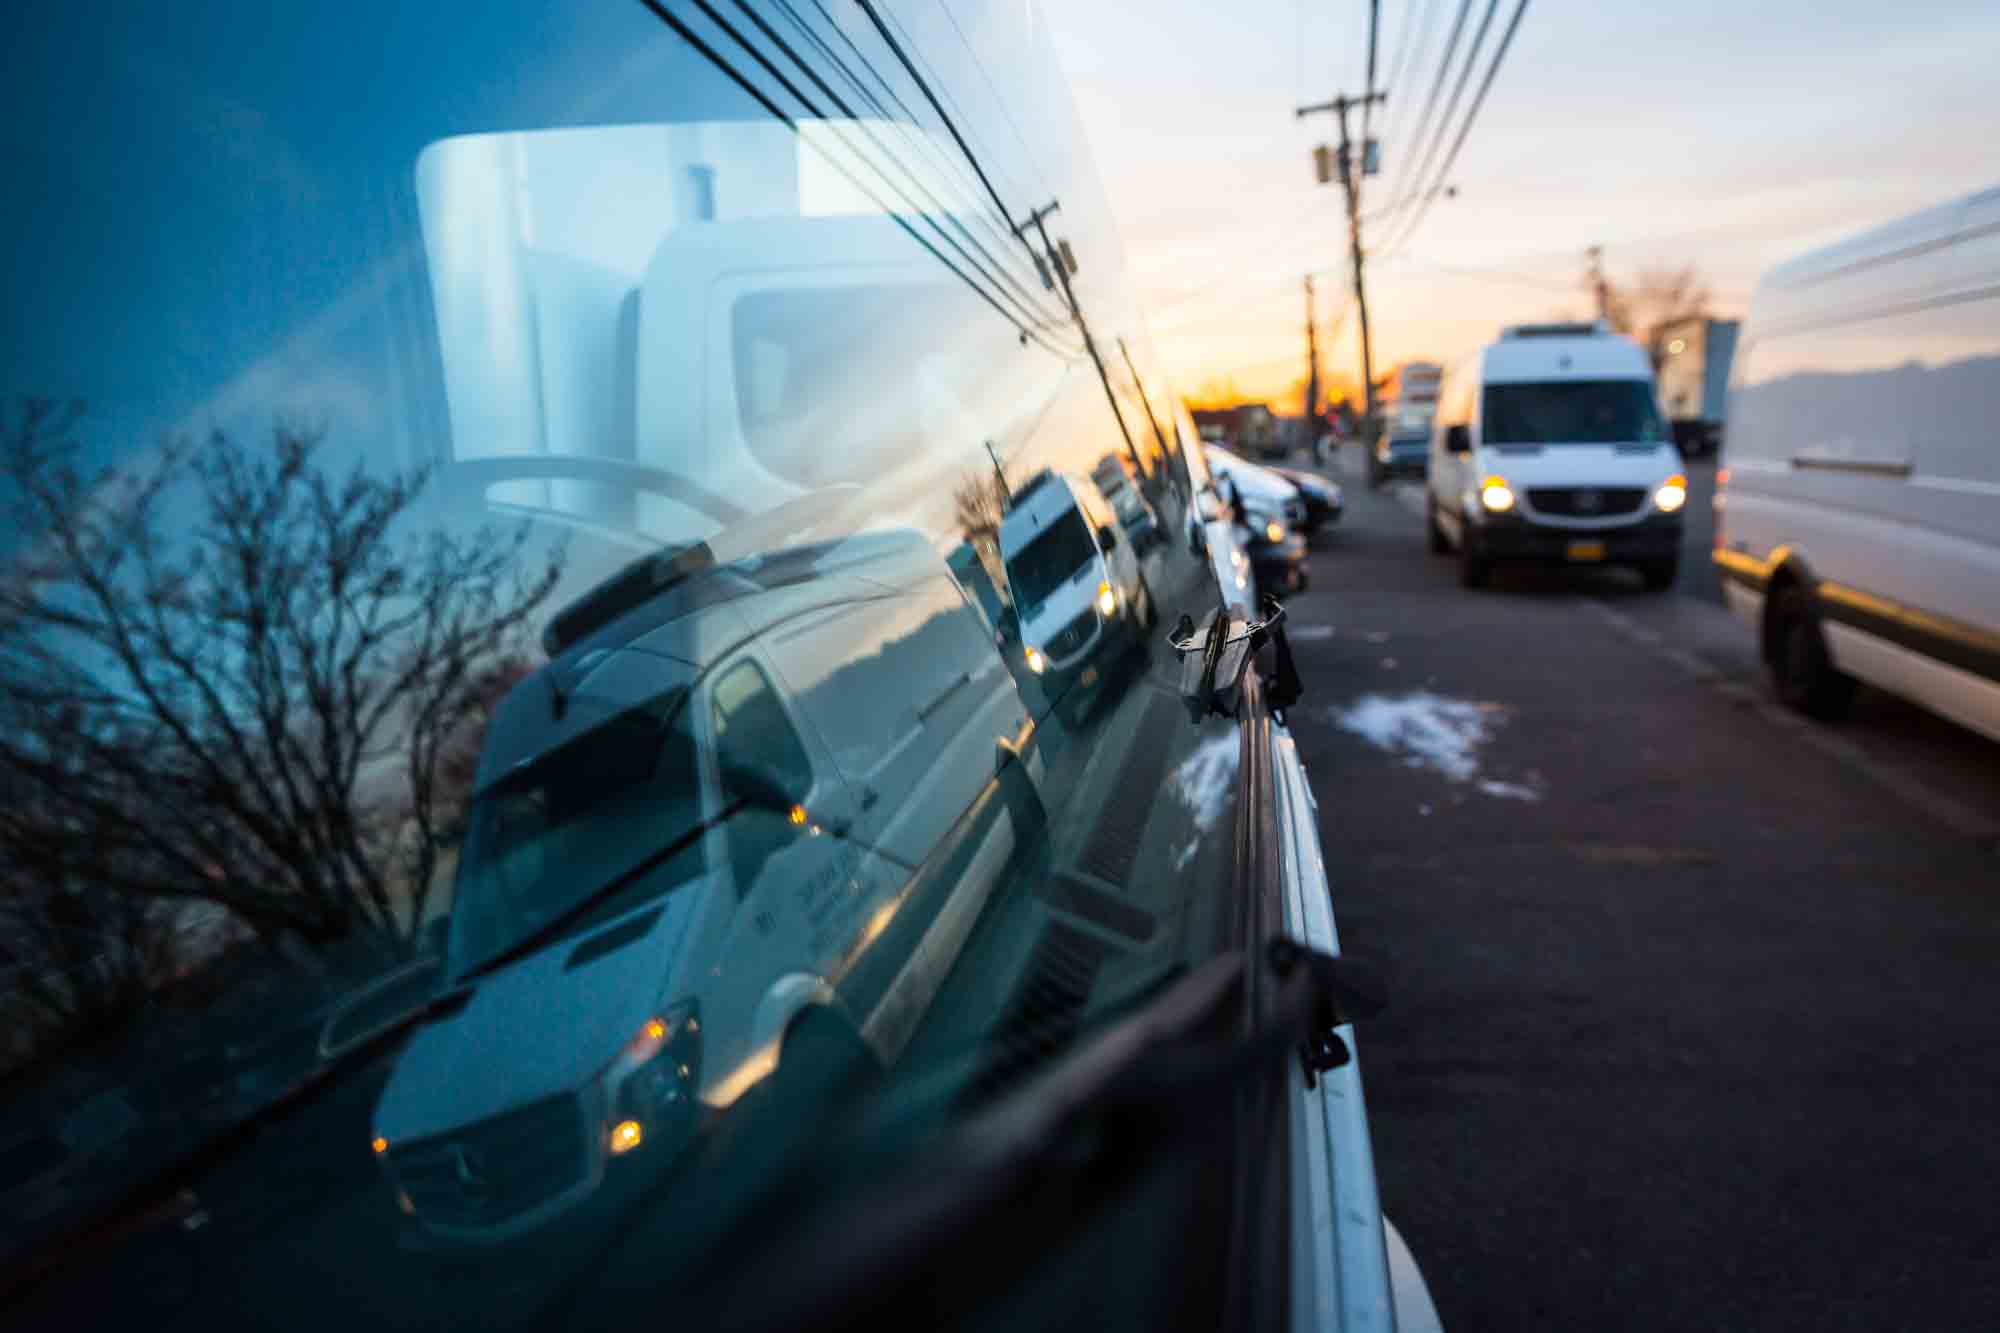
[980, 503]
[1655, 298]
[232, 676]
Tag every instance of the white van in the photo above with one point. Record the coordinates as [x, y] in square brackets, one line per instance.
[1076, 585]
[1549, 446]
[795, 779]
[1858, 517]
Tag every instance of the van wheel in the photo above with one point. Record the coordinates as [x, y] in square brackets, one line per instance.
[1801, 670]
[1438, 544]
[824, 1058]
[1474, 569]
[1660, 574]
[1145, 608]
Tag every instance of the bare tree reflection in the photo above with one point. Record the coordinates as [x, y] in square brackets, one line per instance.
[232, 677]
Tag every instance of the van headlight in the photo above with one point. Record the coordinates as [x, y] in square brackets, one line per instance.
[1496, 495]
[1672, 494]
[1036, 662]
[1107, 601]
[1274, 531]
[651, 1085]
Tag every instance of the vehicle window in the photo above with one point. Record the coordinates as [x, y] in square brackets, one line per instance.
[446, 465]
[1575, 412]
[573, 821]
[753, 736]
[1051, 558]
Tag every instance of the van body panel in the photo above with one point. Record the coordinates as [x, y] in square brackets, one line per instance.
[1862, 438]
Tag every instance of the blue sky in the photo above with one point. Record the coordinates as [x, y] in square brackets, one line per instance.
[1728, 135]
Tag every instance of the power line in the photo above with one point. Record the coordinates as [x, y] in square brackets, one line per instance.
[740, 79]
[1411, 42]
[1027, 153]
[1472, 114]
[932, 149]
[1443, 124]
[1000, 273]
[1404, 179]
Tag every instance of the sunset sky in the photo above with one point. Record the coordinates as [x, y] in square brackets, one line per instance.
[1725, 134]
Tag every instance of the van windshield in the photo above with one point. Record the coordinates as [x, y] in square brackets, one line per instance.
[1575, 412]
[572, 821]
[1050, 560]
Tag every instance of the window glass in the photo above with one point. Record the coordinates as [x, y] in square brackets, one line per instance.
[1571, 412]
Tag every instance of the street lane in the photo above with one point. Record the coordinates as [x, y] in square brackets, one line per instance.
[1691, 1001]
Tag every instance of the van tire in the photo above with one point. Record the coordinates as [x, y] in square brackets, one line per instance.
[1802, 672]
[1438, 544]
[1474, 569]
[824, 1057]
[1144, 611]
[1660, 574]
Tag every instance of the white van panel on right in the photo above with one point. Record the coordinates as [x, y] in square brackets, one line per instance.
[1863, 417]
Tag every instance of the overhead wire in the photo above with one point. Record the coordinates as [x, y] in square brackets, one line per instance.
[1442, 126]
[770, 104]
[951, 167]
[1465, 127]
[1403, 179]
[1027, 154]
[999, 274]
[1410, 41]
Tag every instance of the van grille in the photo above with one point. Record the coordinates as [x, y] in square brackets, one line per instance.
[1074, 635]
[1586, 501]
[497, 1169]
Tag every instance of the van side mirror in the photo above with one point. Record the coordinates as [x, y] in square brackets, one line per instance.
[1457, 440]
[1107, 537]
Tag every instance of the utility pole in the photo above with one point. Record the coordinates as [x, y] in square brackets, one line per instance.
[1000, 476]
[1312, 360]
[1595, 257]
[1058, 256]
[1350, 180]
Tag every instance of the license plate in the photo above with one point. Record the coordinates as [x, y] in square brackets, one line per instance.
[1089, 677]
[1586, 551]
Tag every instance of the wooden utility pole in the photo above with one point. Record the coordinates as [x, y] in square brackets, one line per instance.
[1350, 173]
[1057, 255]
[1312, 361]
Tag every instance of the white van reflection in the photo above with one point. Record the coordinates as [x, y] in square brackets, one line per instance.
[793, 781]
[1082, 600]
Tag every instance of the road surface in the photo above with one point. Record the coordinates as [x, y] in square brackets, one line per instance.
[1692, 1002]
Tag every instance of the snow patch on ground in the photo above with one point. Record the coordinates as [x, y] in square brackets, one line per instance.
[1436, 732]
[1204, 782]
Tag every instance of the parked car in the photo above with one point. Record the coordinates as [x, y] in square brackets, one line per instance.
[1271, 518]
[1402, 448]
[1323, 498]
[1082, 600]
[1549, 447]
[1113, 476]
[1858, 519]
[793, 754]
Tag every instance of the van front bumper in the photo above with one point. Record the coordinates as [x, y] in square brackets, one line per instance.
[1511, 537]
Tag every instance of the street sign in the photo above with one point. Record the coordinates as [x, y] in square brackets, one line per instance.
[1371, 157]
[1323, 164]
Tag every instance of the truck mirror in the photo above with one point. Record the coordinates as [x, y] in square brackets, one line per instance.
[1457, 440]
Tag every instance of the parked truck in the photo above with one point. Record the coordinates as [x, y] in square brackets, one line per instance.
[1693, 356]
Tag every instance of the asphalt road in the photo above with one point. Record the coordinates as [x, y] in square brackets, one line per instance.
[1692, 1002]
